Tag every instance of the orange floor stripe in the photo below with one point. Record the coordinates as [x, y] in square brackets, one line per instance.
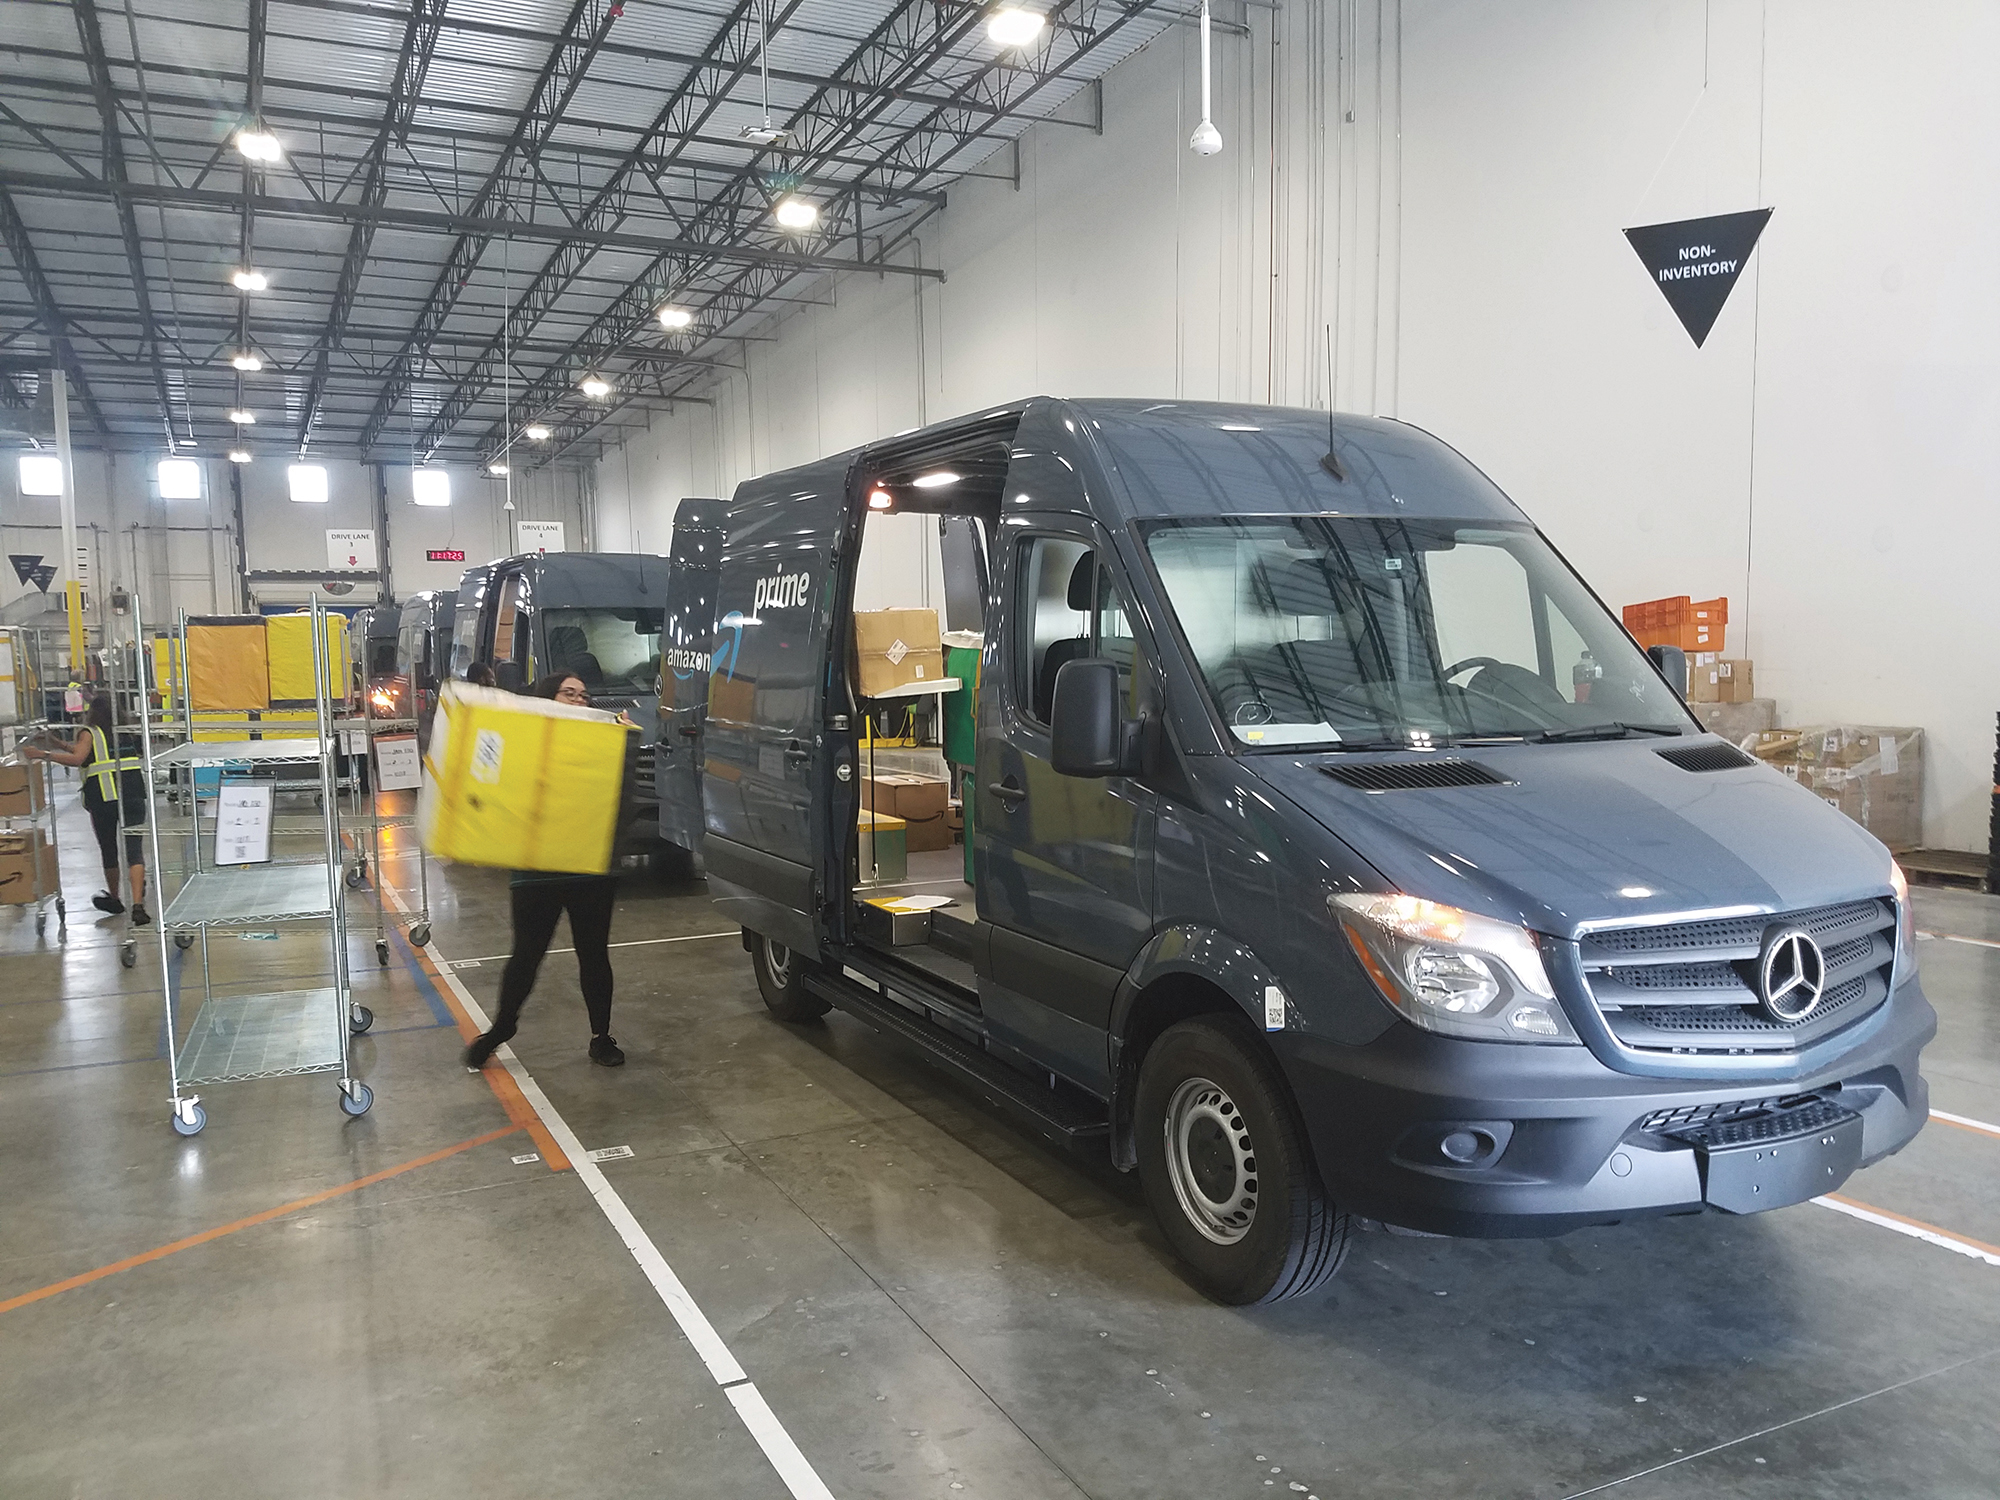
[1950, 1234]
[505, 1089]
[161, 1252]
[1961, 1125]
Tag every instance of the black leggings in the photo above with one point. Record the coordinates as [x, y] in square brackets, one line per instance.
[538, 906]
[104, 823]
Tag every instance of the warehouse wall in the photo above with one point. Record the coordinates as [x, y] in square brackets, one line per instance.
[1442, 194]
[182, 553]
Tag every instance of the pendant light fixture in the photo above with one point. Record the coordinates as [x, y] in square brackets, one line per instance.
[1206, 140]
[766, 134]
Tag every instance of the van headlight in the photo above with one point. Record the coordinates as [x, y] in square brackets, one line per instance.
[1454, 972]
[1906, 926]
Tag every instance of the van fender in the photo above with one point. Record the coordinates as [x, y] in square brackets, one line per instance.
[1189, 948]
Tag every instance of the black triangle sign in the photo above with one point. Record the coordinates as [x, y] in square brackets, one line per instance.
[43, 576]
[24, 564]
[1695, 263]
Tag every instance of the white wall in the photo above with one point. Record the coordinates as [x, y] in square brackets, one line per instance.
[1447, 198]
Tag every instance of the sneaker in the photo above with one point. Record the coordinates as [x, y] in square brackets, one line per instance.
[482, 1049]
[108, 904]
[605, 1052]
[139, 916]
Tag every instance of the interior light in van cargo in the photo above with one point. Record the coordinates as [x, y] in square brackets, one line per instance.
[594, 387]
[242, 418]
[675, 317]
[258, 145]
[937, 479]
[797, 213]
[41, 474]
[247, 362]
[308, 483]
[1635, 892]
[430, 486]
[880, 500]
[239, 455]
[1011, 26]
[536, 434]
[180, 479]
[247, 280]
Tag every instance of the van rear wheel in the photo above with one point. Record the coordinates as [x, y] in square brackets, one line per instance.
[1224, 1162]
[781, 979]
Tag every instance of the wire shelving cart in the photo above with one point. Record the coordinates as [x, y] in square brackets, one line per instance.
[23, 711]
[288, 1033]
[371, 731]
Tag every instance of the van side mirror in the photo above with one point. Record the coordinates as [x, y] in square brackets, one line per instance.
[1089, 734]
[1673, 665]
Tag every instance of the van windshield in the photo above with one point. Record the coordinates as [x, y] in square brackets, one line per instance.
[615, 651]
[1380, 632]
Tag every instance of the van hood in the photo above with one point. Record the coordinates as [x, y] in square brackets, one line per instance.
[1585, 833]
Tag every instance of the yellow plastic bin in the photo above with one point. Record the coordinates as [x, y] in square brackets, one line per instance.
[521, 783]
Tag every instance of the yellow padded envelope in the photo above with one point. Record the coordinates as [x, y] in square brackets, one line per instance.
[521, 783]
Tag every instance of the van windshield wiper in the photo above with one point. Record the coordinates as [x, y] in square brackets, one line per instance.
[1615, 730]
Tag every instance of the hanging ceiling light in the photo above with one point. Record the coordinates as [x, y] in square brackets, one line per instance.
[258, 145]
[595, 387]
[247, 362]
[498, 471]
[797, 213]
[247, 280]
[765, 134]
[1206, 140]
[242, 418]
[536, 433]
[239, 455]
[1012, 26]
[675, 317]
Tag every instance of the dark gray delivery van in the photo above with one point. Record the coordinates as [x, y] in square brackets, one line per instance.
[1336, 852]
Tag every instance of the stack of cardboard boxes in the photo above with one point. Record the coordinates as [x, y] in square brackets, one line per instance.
[22, 849]
[1872, 773]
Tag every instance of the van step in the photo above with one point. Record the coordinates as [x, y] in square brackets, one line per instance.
[1064, 1115]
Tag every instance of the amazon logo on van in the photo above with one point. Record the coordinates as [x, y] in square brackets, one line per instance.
[684, 661]
[785, 591]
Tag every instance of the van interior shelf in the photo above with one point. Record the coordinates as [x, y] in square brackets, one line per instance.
[918, 689]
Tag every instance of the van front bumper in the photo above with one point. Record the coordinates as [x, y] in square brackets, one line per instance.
[1495, 1140]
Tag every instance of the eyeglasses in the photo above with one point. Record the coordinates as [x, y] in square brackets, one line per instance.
[568, 694]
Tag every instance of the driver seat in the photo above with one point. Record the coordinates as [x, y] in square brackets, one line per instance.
[1060, 653]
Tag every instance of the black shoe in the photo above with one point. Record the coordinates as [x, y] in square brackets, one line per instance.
[108, 903]
[605, 1052]
[483, 1047]
[139, 916]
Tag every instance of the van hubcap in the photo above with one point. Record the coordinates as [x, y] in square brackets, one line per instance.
[778, 959]
[1211, 1161]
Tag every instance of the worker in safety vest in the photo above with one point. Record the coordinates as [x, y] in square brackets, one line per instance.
[110, 782]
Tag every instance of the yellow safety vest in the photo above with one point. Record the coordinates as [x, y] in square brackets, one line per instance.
[105, 767]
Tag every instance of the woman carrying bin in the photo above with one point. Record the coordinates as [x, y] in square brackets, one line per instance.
[111, 781]
[539, 900]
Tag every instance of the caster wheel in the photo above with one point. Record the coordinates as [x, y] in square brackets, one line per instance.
[359, 1019]
[41, 925]
[420, 934]
[382, 952]
[357, 1103]
[62, 912]
[191, 1122]
[357, 876]
[183, 940]
[128, 954]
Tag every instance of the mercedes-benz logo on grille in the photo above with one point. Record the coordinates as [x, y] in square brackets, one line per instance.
[1791, 974]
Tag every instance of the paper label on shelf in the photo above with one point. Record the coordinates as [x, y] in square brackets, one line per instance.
[398, 768]
[243, 823]
[486, 750]
[896, 652]
[354, 741]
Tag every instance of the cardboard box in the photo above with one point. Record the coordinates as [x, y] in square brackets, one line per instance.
[20, 789]
[19, 853]
[894, 648]
[1874, 774]
[921, 801]
[522, 783]
[1736, 682]
[1704, 683]
[1737, 722]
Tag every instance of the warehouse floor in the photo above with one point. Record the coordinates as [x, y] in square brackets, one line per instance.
[925, 1300]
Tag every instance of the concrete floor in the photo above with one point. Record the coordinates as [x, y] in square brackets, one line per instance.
[932, 1302]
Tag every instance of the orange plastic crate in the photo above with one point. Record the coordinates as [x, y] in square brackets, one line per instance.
[1691, 624]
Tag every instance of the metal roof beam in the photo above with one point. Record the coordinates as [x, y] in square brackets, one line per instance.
[48, 313]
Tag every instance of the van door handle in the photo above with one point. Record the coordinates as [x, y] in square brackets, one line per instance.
[1008, 791]
[689, 731]
[795, 751]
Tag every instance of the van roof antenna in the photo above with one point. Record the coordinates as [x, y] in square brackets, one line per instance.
[1329, 462]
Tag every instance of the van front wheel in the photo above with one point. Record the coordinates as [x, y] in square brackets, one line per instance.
[1225, 1165]
[781, 979]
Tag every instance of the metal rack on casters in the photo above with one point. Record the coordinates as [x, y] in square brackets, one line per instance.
[39, 822]
[287, 1033]
[372, 730]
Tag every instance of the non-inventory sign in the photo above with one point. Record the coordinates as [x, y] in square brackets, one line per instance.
[243, 822]
[538, 536]
[26, 565]
[444, 554]
[353, 550]
[398, 768]
[1695, 262]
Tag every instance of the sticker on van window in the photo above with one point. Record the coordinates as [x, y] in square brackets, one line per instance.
[486, 748]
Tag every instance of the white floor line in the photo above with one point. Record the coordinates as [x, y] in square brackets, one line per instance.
[692, 937]
[1967, 1121]
[757, 1417]
[1914, 1231]
[1953, 937]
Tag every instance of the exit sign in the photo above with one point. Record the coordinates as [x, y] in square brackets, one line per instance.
[444, 554]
